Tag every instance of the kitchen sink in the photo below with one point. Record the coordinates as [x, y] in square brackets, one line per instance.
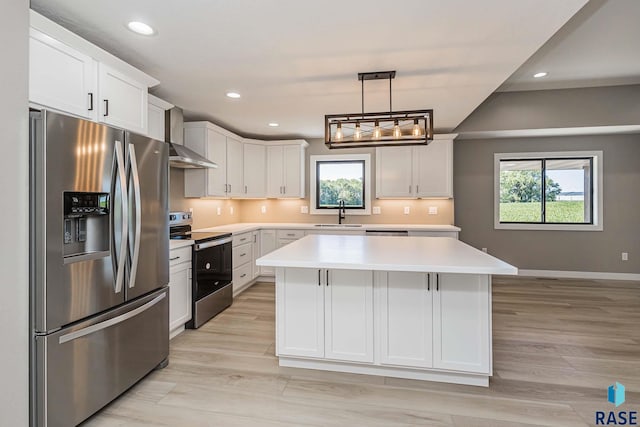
[337, 225]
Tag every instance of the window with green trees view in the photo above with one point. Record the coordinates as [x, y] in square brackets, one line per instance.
[546, 190]
[338, 180]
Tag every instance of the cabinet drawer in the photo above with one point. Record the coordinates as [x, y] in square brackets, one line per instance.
[289, 234]
[453, 234]
[242, 254]
[241, 239]
[180, 255]
[241, 276]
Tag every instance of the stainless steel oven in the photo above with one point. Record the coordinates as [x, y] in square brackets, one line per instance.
[212, 286]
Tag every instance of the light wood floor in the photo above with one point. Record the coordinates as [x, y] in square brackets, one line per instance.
[558, 345]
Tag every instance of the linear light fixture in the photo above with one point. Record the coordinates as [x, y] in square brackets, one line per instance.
[392, 128]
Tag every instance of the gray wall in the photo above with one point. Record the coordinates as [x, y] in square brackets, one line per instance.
[14, 304]
[548, 109]
[553, 250]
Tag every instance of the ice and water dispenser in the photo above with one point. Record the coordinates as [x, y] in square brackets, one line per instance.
[86, 224]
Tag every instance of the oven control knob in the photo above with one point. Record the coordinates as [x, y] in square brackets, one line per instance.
[207, 266]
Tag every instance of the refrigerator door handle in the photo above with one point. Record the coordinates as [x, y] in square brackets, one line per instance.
[134, 238]
[121, 174]
[107, 323]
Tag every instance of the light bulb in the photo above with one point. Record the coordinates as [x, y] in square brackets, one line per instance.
[338, 136]
[397, 133]
[376, 131]
[358, 133]
[416, 128]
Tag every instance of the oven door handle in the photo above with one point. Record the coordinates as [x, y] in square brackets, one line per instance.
[212, 243]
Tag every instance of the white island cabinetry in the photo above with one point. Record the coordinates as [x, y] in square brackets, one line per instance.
[416, 307]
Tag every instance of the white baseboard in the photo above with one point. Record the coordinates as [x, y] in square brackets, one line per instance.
[579, 274]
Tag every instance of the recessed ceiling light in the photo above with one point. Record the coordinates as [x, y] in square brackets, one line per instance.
[540, 74]
[234, 95]
[141, 28]
[274, 124]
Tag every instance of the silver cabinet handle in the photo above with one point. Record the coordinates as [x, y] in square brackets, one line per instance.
[428, 282]
[122, 175]
[106, 107]
[284, 189]
[107, 323]
[327, 277]
[174, 258]
[134, 245]
[437, 282]
[417, 188]
[409, 189]
[243, 239]
[245, 189]
[255, 238]
[290, 234]
[243, 254]
[319, 273]
[90, 101]
[243, 275]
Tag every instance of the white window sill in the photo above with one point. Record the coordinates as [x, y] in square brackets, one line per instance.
[549, 227]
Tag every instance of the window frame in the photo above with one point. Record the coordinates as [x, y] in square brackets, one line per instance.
[596, 159]
[314, 184]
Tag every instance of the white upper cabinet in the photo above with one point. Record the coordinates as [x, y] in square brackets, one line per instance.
[255, 170]
[123, 100]
[416, 171]
[285, 170]
[205, 139]
[235, 170]
[71, 75]
[61, 77]
[157, 108]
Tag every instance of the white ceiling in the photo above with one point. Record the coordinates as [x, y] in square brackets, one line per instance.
[599, 46]
[295, 61]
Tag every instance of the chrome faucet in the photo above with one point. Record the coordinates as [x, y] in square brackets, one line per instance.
[341, 211]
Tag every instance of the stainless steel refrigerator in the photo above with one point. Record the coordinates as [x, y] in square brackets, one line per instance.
[99, 264]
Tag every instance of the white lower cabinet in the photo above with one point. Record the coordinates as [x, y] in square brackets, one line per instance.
[268, 243]
[179, 289]
[242, 261]
[461, 323]
[406, 326]
[439, 324]
[326, 314]
[256, 254]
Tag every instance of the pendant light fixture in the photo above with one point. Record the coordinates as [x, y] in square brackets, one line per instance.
[414, 127]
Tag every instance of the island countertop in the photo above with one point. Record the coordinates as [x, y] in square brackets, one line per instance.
[386, 253]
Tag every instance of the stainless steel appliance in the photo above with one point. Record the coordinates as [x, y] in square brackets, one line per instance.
[99, 264]
[179, 155]
[212, 286]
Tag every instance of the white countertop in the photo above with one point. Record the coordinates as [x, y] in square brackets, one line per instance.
[386, 253]
[177, 244]
[243, 227]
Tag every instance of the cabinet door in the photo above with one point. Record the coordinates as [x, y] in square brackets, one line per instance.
[123, 101]
[461, 323]
[61, 77]
[156, 122]
[293, 164]
[275, 168]
[216, 144]
[179, 295]
[300, 313]
[406, 319]
[349, 315]
[433, 169]
[267, 244]
[256, 254]
[235, 169]
[255, 170]
[393, 172]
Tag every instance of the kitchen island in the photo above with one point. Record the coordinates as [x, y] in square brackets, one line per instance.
[407, 307]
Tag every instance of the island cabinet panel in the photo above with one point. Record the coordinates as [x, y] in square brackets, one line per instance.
[405, 318]
[349, 315]
[461, 323]
[300, 312]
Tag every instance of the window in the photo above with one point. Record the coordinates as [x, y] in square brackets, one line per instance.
[336, 178]
[559, 191]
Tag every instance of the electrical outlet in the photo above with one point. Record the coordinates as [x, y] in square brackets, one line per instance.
[484, 250]
[433, 210]
[219, 209]
[304, 209]
[376, 210]
[231, 210]
[263, 209]
[407, 210]
[625, 256]
[191, 210]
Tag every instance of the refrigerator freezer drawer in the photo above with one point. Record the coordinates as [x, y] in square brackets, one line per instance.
[83, 367]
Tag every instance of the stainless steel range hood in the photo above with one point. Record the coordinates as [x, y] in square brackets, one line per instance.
[179, 155]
